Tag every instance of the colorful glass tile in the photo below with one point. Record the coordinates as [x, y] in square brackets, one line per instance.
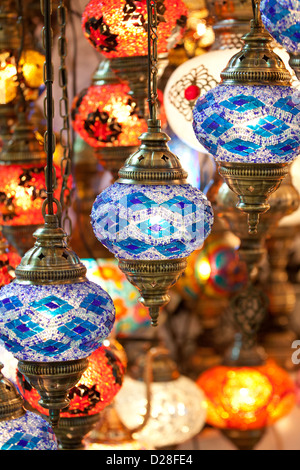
[282, 20]
[258, 124]
[63, 322]
[29, 432]
[164, 222]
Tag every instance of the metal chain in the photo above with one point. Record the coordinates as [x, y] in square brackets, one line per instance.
[49, 137]
[152, 59]
[65, 132]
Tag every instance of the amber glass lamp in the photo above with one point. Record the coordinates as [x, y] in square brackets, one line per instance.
[95, 390]
[243, 401]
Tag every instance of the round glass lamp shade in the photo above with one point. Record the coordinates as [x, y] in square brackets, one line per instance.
[51, 323]
[23, 191]
[193, 79]
[249, 124]
[151, 222]
[106, 115]
[177, 410]
[118, 28]
[95, 390]
[282, 19]
[131, 315]
[247, 398]
[29, 432]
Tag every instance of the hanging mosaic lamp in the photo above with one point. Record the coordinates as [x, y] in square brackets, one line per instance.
[244, 401]
[151, 219]
[197, 76]
[282, 20]
[250, 122]
[21, 429]
[118, 30]
[107, 118]
[177, 405]
[52, 317]
[95, 390]
[23, 184]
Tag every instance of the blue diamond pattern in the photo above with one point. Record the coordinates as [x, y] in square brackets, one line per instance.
[288, 105]
[51, 306]
[8, 304]
[284, 148]
[269, 126]
[241, 147]
[242, 103]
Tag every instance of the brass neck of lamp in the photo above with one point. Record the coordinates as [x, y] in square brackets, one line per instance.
[50, 261]
[256, 63]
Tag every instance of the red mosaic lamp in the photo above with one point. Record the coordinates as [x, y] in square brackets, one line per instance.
[96, 389]
[118, 30]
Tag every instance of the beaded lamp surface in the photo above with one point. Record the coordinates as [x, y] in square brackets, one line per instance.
[282, 19]
[118, 28]
[257, 124]
[106, 115]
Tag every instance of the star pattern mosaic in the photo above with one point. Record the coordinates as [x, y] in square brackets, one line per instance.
[151, 222]
[58, 322]
[30, 432]
[258, 124]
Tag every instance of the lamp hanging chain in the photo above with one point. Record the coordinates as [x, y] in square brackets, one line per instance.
[152, 60]
[49, 137]
[65, 132]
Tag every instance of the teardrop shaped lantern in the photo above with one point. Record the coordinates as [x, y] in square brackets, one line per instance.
[250, 122]
[151, 219]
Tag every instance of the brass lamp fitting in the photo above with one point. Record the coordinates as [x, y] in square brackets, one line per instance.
[11, 402]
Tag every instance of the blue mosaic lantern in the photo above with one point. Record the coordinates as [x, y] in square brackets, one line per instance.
[21, 429]
[54, 323]
[152, 222]
[250, 121]
[282, 19]
[250, 124]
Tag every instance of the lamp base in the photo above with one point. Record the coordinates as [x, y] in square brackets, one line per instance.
[53, 380]
[294, 62]
[71, 432]
[244, 440]
[253, 183]
[153, 279]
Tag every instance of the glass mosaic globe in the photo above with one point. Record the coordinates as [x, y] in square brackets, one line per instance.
[249, 124]
[106, 115]
[59, 322]
[151, 222]
[282, 19]
[29, 432]
[177, 410]
[118, 28]
[247, 398]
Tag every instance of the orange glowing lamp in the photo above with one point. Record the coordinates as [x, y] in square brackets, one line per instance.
[247, 398]
[118, 28]
[22, 193]
[106, 115]
[95, 391]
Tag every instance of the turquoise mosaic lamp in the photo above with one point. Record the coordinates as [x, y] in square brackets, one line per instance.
[21, 429]
[250, 122]
[151, 219]
[51, 316]
[282, 19]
